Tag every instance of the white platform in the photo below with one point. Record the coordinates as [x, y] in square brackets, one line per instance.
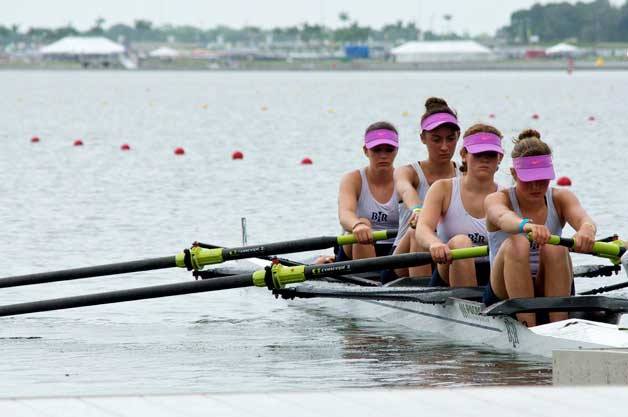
[590, 367]
[505, 402]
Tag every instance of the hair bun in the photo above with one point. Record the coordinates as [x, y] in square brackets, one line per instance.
[435, 102]
[529, 133]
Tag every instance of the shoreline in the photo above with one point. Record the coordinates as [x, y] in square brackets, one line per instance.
[201, 65]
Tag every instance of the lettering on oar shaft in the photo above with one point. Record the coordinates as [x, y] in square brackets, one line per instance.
[328, 269]
[248, 251]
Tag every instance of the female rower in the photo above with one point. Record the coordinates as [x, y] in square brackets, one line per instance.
[439, 133]
[455, 208]
[367, 200]
[520, 268]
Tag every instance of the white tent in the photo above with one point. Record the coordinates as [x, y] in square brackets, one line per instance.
[441, 51]
[563, 49]
[74, 45]
[164, 52]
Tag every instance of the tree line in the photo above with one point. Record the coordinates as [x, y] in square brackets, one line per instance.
[145, 31]
[598, 21]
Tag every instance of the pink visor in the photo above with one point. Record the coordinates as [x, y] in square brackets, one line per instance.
[483, 142]
[534, 168]
[381, 137]
[431, 122]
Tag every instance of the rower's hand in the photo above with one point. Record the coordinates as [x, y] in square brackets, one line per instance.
[414, 218]
[584, 240]
[363, 233]
[539, 233]
[441, 254]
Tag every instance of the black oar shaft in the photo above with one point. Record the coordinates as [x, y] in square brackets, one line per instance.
[167, 290]
[370, 264]
[91, 271]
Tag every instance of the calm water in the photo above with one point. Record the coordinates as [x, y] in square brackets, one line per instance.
[66, 207]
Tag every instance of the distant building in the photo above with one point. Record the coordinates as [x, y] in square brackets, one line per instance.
[357, 52]
[89, 51]
[441, 51]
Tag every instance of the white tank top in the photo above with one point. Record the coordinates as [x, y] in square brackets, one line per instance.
[404, 212]
[457, 221]
[382, 216]
[552, 222]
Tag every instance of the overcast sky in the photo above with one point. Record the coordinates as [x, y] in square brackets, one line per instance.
[474, 16]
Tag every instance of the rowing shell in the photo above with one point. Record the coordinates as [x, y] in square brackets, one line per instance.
[465, 321]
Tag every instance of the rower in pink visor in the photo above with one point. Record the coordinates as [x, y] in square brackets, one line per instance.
[523, 268]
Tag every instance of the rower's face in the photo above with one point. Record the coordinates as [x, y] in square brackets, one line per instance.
[381, 155]
[483, 164]
[441, 143]
[534, 190]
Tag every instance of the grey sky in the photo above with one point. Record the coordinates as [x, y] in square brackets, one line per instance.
[474, 16]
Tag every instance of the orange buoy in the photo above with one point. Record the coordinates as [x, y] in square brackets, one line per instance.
[535, 116]
[125, 147]
[78, 142]
[35, 139]
[237, 155]
[564, 181]
[306, 161]
[179, 151]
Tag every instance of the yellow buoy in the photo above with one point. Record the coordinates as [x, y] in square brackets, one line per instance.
[264, 108]
[599, 62]
[405, 114]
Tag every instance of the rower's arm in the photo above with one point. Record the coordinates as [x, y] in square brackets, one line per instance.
[498, 215]
[573, 212]
[406, 184]
[348, 196]
[431, 213]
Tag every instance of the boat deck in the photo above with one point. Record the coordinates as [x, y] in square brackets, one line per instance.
[461, 402]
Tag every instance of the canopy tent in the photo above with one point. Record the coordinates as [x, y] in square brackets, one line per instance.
[563, 49]
[441, 51]
[164, 52]
[74, 45]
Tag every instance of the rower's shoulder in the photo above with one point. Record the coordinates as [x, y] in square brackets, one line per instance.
[351, 179]
[405, 173]
[499, 196]
[563, 196]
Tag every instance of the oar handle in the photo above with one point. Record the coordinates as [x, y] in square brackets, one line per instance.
[605, 249]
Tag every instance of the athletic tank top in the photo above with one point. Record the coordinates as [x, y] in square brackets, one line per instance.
[457, 221]
[552, 222]
[382, 216]
[404, 212]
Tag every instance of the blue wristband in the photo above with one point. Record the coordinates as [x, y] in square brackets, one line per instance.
[418, 206]
[522, 224]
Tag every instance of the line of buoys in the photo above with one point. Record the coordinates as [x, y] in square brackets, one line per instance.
[179, 151]
[306, 161]
[35, 139]
[564, 181]
[237, 155]
[125, 147]
[78, 142]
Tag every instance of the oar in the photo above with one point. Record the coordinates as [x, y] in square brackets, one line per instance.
[611, 250]
[273, 277]
[193, 259]
[624, 264]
